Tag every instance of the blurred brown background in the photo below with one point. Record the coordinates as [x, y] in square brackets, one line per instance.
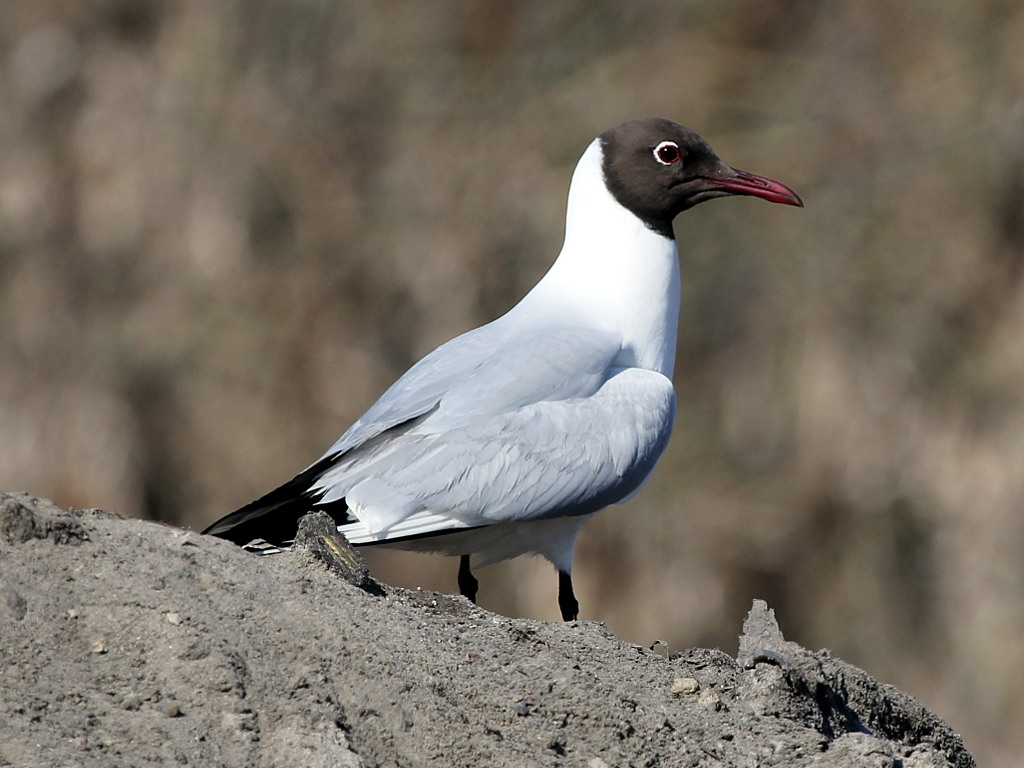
[226, 227]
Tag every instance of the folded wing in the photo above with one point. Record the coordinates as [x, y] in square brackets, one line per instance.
[548, 427]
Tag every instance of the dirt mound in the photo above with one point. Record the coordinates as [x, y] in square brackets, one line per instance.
[128, 643]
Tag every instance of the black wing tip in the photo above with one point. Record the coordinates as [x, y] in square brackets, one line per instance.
[275, 522]
[274, 517]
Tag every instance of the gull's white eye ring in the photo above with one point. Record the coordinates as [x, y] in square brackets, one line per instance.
[667, 153]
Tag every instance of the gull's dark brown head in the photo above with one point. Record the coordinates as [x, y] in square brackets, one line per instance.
[657, 169]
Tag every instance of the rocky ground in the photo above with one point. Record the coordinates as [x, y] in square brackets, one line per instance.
[128, 643]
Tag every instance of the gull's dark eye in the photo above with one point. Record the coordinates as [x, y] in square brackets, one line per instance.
[667, 153]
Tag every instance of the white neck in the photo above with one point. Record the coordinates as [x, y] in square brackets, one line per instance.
[613, 273]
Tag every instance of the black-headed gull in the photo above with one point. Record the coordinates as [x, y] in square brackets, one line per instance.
[507, 439]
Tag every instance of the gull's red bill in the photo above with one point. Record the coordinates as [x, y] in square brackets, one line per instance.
[742, 183]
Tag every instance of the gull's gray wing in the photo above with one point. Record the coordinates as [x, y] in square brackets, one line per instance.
[487, 428]
[548, 426]
[542, 460]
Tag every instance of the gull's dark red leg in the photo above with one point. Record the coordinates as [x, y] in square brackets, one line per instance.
[467, 581]
[566, 599]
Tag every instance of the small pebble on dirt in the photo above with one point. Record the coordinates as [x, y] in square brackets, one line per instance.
[685, 685]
